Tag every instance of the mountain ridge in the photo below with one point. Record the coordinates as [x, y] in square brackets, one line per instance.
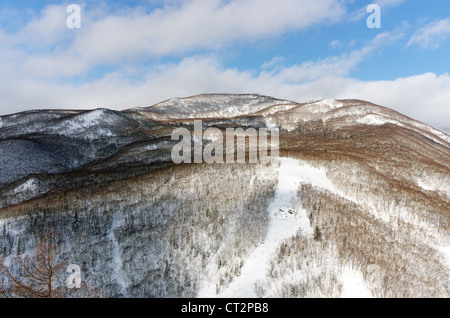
[373, 181]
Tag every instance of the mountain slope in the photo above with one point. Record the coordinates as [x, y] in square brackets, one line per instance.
[372, 181]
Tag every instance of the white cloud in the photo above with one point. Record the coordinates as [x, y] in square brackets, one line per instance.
[41, 33]
[46, 30]
[432, 35]
[424, 97]
[177, 28]
[336, 65]
[276, 63]
[191, 76]
[335, 44]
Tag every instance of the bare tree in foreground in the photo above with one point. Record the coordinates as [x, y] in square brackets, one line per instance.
[37, 275]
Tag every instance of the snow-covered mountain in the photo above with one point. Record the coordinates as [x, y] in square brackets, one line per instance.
[357, 204]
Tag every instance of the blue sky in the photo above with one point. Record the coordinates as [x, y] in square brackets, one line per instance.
[137, 53]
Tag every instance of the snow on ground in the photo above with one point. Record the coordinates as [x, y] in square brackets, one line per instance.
[26, 190]
[31, 185]
[445, 250]
[332, 103]
[323, 106]
[119, 273]
[214, 106]
[354, 285]
[286, 218]
[425, 127]
[278, 108]
[85, 123]
[434, 183]
[373, 119]
[428, 131]
[425, 185]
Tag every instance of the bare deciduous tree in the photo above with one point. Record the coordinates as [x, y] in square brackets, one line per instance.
[37, 275]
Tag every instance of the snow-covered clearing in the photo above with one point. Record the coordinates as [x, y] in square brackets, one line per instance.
[119, 273]
[354, 285]
[286, 218]
[30, 186]
[445, 250]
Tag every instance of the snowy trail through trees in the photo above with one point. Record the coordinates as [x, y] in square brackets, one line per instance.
[286, 218]
[354, 285]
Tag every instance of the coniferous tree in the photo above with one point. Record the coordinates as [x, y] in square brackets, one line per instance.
[75, 224]
[317, 234]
